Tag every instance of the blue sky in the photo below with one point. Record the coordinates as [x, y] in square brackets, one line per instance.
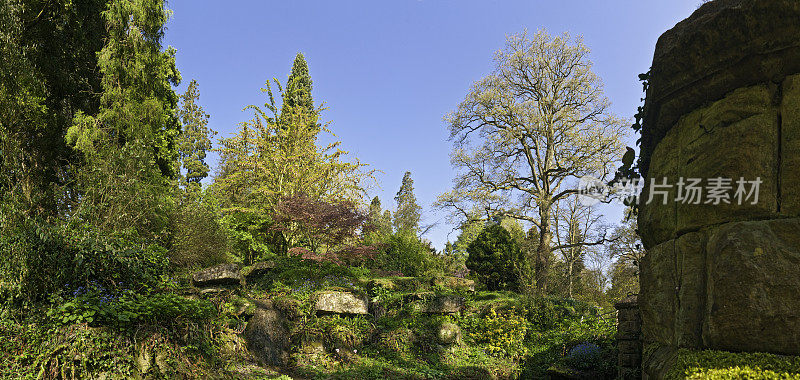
[390, 70]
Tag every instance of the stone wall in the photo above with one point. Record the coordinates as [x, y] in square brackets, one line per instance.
[723, 102]
[629, 343]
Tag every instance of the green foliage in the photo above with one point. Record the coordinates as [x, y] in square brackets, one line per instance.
[339, 332]
[558, 325]
[48, 73]
[98, 308]
[404, 253]
[128, 147]
[378, 223]
[250, 235]
[40, 259]
[195, 137]
[492, 258]
[199, 240]
[78, 351]
[709, 364]
[584, 356]
[500, 334]
[300, 278]
[298, 88]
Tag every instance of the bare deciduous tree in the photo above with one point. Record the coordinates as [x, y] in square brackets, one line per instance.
[577, 229]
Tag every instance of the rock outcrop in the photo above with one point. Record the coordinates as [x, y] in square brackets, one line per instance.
[223, 274]
[443, 304]
[267, 335]
[340, 302]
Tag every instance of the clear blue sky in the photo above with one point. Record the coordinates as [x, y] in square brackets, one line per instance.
[390, 70]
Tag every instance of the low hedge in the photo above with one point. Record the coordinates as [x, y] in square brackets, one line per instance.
[709, 364]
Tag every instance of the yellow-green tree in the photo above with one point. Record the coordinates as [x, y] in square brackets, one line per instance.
[524, 135]
[277, 154]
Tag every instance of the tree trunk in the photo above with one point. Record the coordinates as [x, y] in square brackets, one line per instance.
[569, 279]
[543, 251]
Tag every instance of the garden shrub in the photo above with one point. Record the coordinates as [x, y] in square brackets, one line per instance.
[99, 308]
[500, 334]
[584, 356]
[405, 254]
[199, 239]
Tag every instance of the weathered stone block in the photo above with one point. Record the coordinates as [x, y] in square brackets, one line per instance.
[735, 137]
[223, 274]
[267, 336]
[443, 304]
[258, 269]
[690, 262]
[790, 146]
[657, 296]
[657, 212]
[339, 302]
[448, 334]
[753, 287]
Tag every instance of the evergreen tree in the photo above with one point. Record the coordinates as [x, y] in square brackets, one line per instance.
[492, 258]
[48, 73]
[407, 216]
[298, 88]
[195, 138]
[129, 146]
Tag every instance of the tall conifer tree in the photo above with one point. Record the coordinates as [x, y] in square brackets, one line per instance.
[407, 216]
[195, 138]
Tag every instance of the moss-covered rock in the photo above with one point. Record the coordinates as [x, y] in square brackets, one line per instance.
[258, 269]
[448, 334]
[267, 336]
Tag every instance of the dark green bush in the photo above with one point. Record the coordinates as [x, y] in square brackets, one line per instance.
[492, 258]
[39, 259]
[199, 239]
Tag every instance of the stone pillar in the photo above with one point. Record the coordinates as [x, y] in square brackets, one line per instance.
[629, 343]
[723, 102]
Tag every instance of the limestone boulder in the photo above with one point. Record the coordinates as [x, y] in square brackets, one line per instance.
[754, 287]
[257, 270]
[223, 274]
[340, 302]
